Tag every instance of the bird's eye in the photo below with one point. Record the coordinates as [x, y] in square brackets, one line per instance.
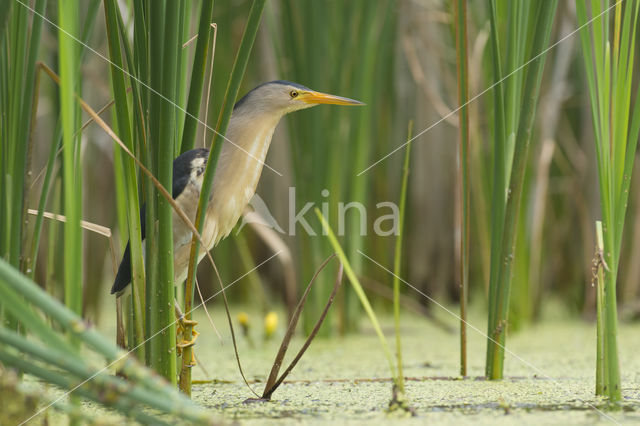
[293, 93]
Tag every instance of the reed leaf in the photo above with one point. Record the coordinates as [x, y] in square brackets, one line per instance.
[397, 258]
[72, 166]
[542, 20]
[357, 287]
[125, 131]
[197, 77]
[56, 140]
[19, 49]
[64, 382]
[609, 66]
[12, 282]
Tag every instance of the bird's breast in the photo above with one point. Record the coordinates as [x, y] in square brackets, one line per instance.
[237, 181]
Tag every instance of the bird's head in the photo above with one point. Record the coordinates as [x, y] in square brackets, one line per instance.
[282, 97]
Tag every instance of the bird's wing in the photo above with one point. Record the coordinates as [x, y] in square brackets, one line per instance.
[123, 277]
[182, 168]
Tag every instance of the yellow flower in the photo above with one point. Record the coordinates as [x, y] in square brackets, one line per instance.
[243, 319]
[270, 324]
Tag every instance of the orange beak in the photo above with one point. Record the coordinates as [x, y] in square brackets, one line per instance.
[312, 97]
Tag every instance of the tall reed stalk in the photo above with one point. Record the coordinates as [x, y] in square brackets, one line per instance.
[18, 55]
[515, 105]
[203, 46]
[188, 142]
[148, 122]
[164, 45]
[362, 134]
[460, 7]
[72, 164]
[127, 194]
[231, 94]
[156, 118]
[609, 64]
[397, 258]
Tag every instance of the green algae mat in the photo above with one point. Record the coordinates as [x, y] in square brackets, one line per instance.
[345, 380]
[549, 368]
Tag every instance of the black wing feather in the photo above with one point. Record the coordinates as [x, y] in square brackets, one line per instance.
[181, 175]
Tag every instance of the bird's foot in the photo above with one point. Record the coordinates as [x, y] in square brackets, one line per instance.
[182, 325]
[187, 344]
[183, 322]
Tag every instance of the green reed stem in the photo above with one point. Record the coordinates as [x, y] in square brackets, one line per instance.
[130, 179]
[616, 122]
[19, 46]
[14, 283]
[197, 76]
[397, 258]
[75, 366]
[497, 335]
[365, 88]
[72, 166]
[163, 350]
[32, 254]
[499, 184]
[17, 150]
[129, 408]
[233, 87]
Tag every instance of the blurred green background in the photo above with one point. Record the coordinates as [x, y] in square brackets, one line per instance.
[399, 58]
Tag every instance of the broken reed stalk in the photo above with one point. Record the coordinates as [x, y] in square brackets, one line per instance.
[275, 369]
[273, 383]
[616, 121]
[599, 266]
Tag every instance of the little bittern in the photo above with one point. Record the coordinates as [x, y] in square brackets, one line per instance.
[251, 127]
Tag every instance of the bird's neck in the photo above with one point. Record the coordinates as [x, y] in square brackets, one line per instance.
[240, 166]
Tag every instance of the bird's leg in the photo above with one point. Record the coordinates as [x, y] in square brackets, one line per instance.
[182, 323]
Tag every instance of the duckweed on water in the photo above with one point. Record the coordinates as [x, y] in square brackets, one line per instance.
[347, 379]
